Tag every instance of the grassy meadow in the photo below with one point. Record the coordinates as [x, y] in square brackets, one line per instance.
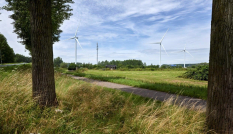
[88, 109]
[163, 80]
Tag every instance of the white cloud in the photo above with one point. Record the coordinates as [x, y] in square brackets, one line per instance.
[124, 28]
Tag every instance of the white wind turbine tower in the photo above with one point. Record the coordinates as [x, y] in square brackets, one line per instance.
[76, 41]
[160, 43]
[185, 51]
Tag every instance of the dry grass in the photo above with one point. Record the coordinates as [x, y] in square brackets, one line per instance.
[89, 109]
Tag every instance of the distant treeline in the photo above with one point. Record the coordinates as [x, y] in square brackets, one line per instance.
[21, 58]
[16, 58]
[129, 64]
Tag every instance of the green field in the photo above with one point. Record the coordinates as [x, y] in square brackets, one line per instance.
[88, 109]
[167, 81]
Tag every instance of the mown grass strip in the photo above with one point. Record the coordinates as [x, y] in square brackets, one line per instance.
[181, 89]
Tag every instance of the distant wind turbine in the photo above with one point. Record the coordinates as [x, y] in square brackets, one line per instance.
[185, 51]
[76, 41]
[160, 47]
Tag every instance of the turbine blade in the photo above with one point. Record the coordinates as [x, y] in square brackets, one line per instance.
[188, 53]
[164, 35]
[70, 38]
[78, 43]
[77, 29]
[164, 49]
[178, 51]
[155, 43]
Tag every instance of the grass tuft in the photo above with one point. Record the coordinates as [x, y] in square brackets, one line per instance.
[89, 109]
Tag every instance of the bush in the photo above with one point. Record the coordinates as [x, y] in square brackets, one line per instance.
[63, 65]
[57, 61]
[82, 70]
[124, 69]
[17, 67]
[72, 66]
[25, 67]
[138, 69]
[199, 72]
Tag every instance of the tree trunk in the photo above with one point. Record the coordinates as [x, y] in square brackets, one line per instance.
[42, 53]
[220, 85]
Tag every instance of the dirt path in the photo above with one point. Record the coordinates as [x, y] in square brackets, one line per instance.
[156, 95]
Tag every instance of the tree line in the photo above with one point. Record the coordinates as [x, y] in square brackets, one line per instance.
[7, 54]
[126, 64]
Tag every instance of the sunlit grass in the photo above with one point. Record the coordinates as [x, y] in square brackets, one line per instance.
[89, 109]
[164, 76]
[166, 81]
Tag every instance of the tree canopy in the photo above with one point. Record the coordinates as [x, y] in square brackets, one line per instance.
[129, 63]
[22, 58]
[57, 61]
[6, 52]
[60, 11]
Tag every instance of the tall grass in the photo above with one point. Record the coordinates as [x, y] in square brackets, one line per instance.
[89, 109]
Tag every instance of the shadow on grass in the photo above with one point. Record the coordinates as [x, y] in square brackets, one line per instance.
[185, 90]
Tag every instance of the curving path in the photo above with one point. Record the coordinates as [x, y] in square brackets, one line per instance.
[189, 102]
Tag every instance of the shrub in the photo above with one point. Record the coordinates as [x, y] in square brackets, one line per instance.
[124, 69]
[82, 70]
[138, 69]
[199, 72]
[57, 61]
[63, 65]
[72, 66]
[17, 67]
[25, 67]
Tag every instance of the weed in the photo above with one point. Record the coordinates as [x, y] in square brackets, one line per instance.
[89, 109]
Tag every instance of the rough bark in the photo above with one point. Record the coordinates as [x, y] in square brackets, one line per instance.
[42, 53]
[220, 85]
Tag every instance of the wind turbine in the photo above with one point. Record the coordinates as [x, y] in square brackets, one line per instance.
[185, 51]
[76, 41]
[160, 43]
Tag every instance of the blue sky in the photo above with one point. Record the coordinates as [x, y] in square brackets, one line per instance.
[124, 30]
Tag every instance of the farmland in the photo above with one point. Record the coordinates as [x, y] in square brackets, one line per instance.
[167, 81]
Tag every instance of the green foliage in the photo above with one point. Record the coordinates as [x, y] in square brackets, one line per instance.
[63, 65]
[199, 72]
[21, 16]
[131, 63]
[88, 109]
[82, 69]
[6, 52]
[72, 66]
[24, 67]
[165, 81]
[57, 61]
[21, 58]
[16, 68]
